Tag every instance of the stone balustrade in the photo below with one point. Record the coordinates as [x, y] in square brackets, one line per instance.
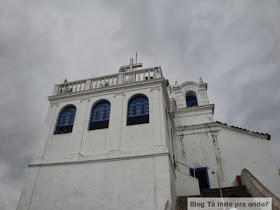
[109, 80]
[140, 75]
[71, 87]
[104, 81]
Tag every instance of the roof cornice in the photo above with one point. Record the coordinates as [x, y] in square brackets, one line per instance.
[193, 108]
[224, 125]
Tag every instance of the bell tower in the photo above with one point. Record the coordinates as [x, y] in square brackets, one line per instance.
[104, 145]
[190, 103]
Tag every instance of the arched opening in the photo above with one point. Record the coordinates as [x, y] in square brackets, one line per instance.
[66, 120]
[100, 115]
[138, 110]
[191, 99]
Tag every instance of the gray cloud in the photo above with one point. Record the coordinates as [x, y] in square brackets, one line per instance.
[232, 45]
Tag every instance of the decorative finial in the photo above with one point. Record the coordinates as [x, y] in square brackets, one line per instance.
[176, 83]
[200, 80]
[65, 80]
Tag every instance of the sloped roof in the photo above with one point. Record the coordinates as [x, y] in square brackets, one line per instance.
[243, 130]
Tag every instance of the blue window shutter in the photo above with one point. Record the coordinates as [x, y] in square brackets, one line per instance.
[101, 112]
[67, 116]
[138, 106]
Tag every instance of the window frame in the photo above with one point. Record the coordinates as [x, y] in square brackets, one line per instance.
[68, 127]
[103, 123]
[192, 95]
[138, 118]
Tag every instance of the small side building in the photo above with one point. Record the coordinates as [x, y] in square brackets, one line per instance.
[213, 150]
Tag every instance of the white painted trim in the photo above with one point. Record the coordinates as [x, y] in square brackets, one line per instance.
[97, 160]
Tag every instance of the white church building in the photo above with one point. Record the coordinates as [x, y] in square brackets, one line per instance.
[131, 141]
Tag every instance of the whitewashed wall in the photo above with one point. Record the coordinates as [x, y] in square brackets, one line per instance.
[120, 167]
[195, 148]
[186, 185]
[118, 137]
[225, 153]
[239, 151]
[193, 116]
[126, 184]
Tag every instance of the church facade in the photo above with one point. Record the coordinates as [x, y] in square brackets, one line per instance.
[132, 141]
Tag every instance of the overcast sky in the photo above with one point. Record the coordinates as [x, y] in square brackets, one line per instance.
[233, 45]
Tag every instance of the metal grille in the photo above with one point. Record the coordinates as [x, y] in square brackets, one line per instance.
[101, 112]
[67, 116]
[138, 106]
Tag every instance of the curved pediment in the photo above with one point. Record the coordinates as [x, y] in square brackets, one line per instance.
[188, 84]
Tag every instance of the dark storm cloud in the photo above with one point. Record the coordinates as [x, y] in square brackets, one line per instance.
[232, 45]
[25, 54]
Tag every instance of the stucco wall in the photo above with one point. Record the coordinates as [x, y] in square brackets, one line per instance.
[239, 151]
[196, 149]
[120, 167]
[225, 153]
[186, 185]
[118, 136]
[140, 183]
[193, 116]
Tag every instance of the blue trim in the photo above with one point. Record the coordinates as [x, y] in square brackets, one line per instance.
[191, 171]
[100, 112]
[191, 101]
[203, 168]
[67, 116]
[138, 106]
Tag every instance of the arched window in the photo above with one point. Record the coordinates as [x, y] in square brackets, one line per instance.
[191, 99]
[66, 120]
[100, 115]
[138, 110]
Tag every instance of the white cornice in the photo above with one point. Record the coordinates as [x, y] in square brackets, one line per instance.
[96, 160]
[214, 125]
[191, 109]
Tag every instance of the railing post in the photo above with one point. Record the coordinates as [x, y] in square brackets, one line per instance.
[95, 83]
[55, 91]
[120, 79]
[75, 88]
[158, 73]
[87, 84]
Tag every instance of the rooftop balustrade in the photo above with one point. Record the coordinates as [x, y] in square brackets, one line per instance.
[108, 81]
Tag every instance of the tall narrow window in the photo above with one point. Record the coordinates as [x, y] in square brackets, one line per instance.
[66, 120]
[100, 115]
[138, 110]
[191, 99]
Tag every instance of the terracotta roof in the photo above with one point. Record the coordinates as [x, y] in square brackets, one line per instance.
[266, 135]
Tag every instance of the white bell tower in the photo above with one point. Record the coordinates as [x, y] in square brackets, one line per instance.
[104, 145]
